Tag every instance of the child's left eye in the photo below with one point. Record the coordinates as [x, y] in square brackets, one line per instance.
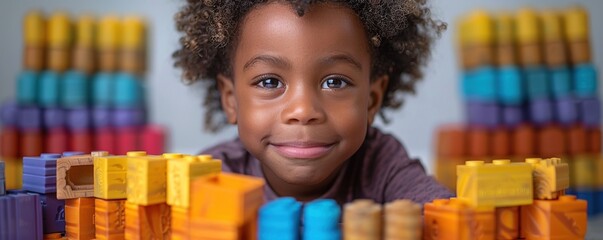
[334, 82]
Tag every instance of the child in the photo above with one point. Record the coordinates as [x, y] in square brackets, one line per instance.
[303, 82]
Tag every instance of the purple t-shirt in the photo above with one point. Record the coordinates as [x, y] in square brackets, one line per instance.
[380, 170]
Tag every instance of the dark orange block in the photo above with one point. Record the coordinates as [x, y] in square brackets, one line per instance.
[594, 140]
[452, 219]
[555, 54]
[79, 218]
[81, 141]
[9, 143]
[56, 141]
[552, 142]
[507, 223]
[577, 140]
[216, 229]
[451, 141]
[52, 236]
[501, 143]
[564, 218]
[479, 141]
[180, 223]
[110, 218]
[33, 57]
[31, 143]
[147, 222]
[524, 141]
[580, 52]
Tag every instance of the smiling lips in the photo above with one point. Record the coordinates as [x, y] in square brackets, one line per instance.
[302, 150]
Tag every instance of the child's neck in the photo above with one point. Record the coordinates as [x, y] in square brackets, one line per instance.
[302, 193]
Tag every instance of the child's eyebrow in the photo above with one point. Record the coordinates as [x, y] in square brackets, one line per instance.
[341, 57]
[284, 63]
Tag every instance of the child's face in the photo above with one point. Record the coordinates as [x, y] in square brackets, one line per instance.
[301, 94]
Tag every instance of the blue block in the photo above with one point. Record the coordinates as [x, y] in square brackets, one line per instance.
[49, 89]
[27, 88]
[510, 86]
[566, 110]
[590, 112]
[599, 201]
[322, 235]
[480, 84]
[53, 216]
[2, 187]
[128, 91]
[74, 89]
[20, 216]
[537, 84]
[102, 90]
[541, 111]
[279, 219]
[561, 82]
[39, 184]
[585, 80]
[512, 116]
[321, 214]
[45, 160]
[30, 118]
[69, 154]
[589, 196]
[9, 114]
[39, 171]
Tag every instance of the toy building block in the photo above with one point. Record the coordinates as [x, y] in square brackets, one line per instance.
[147, 222]
[554, 46]
[552, 142]
[280, 219]
[455, 219]
[132, 54]
[477, 36]
[79, 218]
[594, 140]
[564, 218]
[510, 86]
[537, 82]
[585, 80]
[583, 172]
[501, 143]
[39, 173]
[561, 82]
[480, 84]
[75, 177]
[217, 229]
[507, 222]
[153, 139]
[109, 218]
[147, 179]
[182, 170]
[56, 140]
[48, 91]
[528, 37]
[34, 35]
[482, 114]
[74, 95]
[59, 42]
[20, 216]
[566, 110]
[180, 227]
[551, 177]
[402, 220]
[2, 179]
[10, 142]
[577, 34]
[541, 111]
[53, 213]
[13, 170]
[505, 38]
[499, 184]
[321, 220]
[108, 43]
[110, 177]
[450, 151]
[104, 139]
[362, 220]
[83, 50]
[126, 140]
[478, 143]
[53, 236]
[128, 91]
[228, 200]
[590, 112]
[524, 141]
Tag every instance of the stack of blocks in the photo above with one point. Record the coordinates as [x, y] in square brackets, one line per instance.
[530, 90]
[81, 90]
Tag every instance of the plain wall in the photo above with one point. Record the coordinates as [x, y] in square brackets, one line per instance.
[179, 107]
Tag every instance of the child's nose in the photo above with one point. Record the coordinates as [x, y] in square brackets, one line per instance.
[303, 107]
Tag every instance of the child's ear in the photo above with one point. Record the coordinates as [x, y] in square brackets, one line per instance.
[378, 87]
[227, 98]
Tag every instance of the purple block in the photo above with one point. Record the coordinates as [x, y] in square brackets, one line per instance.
[30, 118]
[44, 160]
[101, 117]
[9, 114]
[54, 118]
[541, 111]
[20, 216]
[53, 213]
[590, 112]
[69, 154]
[512, 115]
[78, 119]
[566, 110]
[40, 184]
[483, 114]
[128, 117]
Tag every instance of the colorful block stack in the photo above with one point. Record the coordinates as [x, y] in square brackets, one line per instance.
[81, 90]
[530, 89]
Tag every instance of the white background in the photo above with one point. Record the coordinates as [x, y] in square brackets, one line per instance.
[179, 107]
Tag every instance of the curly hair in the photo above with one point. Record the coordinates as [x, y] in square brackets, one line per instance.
[401, 33]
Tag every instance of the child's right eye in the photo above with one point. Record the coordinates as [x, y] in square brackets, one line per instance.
[270, 82]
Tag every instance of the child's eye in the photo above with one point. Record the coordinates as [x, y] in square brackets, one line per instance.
[270, 82]
[334, 82]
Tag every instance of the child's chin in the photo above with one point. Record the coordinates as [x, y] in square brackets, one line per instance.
[304, 178]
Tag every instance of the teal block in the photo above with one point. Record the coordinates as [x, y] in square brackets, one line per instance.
[74, 90]
[27, 88]
[49, 89]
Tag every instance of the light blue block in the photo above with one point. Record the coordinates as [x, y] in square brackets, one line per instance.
[537, 82]
[585, 80]
[103, 89]
[561, 82]
[510, 86]
[480, 84]
[128, 91]
[74, 90]
[49, 89]
[279, 219]
[27, 88]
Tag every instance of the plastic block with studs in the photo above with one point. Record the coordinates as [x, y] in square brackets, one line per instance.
[280, 219]
[13, 170]
[321, 220]
[147, 178]
[147, 222]
[585, 80]
[75, 177]
[79, 218]
[182, 170]
[53, 213]
[362, 219]
[110, 177]
[455, 219]
[499, 184]
[109, 219]
[39, 173]
[564, 218]
[507, 222]
[180, 225]
[537, 82]
[510, 86]
[403, 220]
[551, 177]
[2, 179]
[20, 216]
[583, 171]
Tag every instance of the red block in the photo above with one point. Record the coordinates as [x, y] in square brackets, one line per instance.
[56, 141]
[152, 140]
[127, 140]
[31, 143]
[81, 141]
[9, 143]
[104, 140]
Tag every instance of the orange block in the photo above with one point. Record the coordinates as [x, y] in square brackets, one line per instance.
[452, 219]
[180, 223]
[110, 218]
[9, 143]
[79, 218]
[552, 142]
[577, 140]
[594, 140]
[217, 230]
[451, 141]
[507, 223]
[147, 222]
[501, 143]
[524, 142]
[479, 143]
[31, 143]
[564, 218]
[227, 197]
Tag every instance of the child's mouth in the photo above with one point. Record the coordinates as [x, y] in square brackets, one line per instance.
[302, 150]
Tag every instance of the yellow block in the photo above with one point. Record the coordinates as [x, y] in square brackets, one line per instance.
[147, 179]
[59, 30]
[34, 29]
[110, 177]
[576, 24]
[133, 33]
[550, 177]
[499, 184]
[583, 171]
[108, 33]
[13, 173]
[527, 26]
[85, 31]
[182, 171]
[505, 32]
[551, 25]
[480, 28]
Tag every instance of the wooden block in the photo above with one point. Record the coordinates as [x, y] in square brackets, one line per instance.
[75, 177]
[181, 171]
[551, 177]
[147, 222]
[110, 219]
[564, 218]
[79, 218]
[403, 220]
[147, 179]
[362, 220]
